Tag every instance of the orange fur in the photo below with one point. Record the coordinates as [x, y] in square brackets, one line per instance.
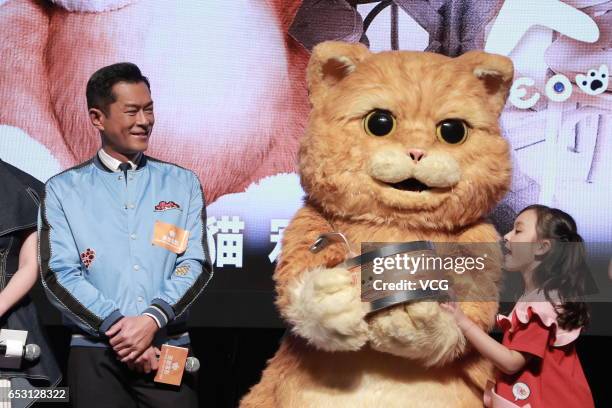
[411, 354]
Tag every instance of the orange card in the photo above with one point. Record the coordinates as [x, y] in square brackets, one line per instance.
[171, 365]
[170, 236]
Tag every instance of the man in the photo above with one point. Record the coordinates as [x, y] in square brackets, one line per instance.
[123, 252]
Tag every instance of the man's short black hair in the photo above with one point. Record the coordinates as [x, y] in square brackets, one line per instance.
[100, 85]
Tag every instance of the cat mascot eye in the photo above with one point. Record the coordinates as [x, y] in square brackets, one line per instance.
[379, 123]
[452, 131]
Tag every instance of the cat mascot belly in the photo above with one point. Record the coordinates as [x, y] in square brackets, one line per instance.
[399, 146]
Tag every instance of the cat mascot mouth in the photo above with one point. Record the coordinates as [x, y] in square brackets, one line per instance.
[410, 184]
[414, 171]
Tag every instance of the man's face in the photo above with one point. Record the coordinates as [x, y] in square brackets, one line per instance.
[127, 125]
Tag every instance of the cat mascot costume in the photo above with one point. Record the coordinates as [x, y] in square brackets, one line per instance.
[399, 147]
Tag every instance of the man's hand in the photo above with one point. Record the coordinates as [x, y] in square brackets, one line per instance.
[131, 336]
[147, 362]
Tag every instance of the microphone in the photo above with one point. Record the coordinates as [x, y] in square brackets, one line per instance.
[192, 365]
[30, 352]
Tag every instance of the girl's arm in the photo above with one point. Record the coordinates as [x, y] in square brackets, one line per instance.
[26, 275]
[506, 360]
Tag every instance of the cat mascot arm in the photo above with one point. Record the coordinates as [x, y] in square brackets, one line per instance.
[315, 297]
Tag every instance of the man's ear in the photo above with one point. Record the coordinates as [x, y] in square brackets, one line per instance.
[495, 73]
[96, 116]
[330, 63]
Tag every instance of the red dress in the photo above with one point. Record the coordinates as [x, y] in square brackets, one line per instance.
[553, 377]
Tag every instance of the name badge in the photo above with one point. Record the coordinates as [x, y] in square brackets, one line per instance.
[170, 236]
[171, 365]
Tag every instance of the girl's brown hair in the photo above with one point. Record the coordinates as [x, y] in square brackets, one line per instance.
[563, 268]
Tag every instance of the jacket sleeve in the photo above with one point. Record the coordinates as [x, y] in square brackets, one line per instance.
[193, 268]
[62, 271]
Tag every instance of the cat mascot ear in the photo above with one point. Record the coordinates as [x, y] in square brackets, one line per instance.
[330, 63]
[495, 73]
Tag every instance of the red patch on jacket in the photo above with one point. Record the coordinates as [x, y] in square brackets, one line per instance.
[88, 256]
[167, 205]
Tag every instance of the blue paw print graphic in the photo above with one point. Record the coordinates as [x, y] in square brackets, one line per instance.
[595, 82]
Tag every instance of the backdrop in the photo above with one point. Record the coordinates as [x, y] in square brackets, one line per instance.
[230, 102]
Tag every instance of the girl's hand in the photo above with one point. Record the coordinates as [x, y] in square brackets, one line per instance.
[454, 309]
[451, 307]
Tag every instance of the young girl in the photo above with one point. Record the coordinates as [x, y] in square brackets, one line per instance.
[537, 358]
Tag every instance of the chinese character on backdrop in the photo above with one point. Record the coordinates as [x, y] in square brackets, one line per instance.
[225, 240]
[277, 227]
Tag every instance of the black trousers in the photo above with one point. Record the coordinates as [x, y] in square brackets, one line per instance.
[97, 379]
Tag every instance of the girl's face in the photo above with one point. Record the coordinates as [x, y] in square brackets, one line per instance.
[520, 244]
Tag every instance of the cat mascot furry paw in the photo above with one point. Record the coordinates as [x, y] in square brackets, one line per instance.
[399, 146]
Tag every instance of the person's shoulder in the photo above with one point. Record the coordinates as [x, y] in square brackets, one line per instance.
[173, 169]
[24, 178]
[70, 175]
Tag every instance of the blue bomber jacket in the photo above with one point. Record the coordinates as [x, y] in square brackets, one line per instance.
[97, 256]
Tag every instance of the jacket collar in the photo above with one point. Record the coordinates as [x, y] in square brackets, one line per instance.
[113, 167]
